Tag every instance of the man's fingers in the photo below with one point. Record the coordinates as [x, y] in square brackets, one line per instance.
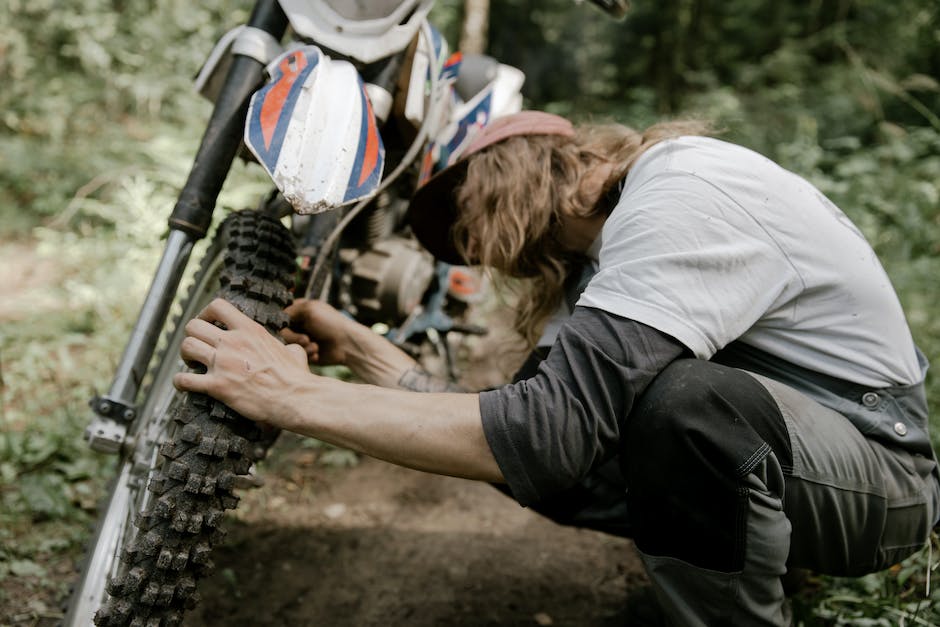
[299, 312]
[193, 349]
[220, 310]
[293, 337]
[191, 382]
[204, 331]
[296, 308]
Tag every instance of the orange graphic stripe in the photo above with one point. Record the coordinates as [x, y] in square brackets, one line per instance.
[290, 67]
[372, 145]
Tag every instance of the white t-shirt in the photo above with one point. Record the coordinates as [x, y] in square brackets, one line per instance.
[711, 242]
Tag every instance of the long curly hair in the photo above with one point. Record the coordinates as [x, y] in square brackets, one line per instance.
[515, 193]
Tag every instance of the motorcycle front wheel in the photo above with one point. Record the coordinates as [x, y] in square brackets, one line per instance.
[162, 517]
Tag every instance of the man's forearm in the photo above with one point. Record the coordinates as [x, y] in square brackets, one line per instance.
[440, 433]
[417, 379]
[376, 360]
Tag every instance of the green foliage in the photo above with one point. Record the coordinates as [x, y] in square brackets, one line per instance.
[904, 595]
[82, 83]
[665, 52]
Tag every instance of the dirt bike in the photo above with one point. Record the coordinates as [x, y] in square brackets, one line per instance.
[348, 106]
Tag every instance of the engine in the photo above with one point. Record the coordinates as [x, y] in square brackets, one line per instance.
[385, 282]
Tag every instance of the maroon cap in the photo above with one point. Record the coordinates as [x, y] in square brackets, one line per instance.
[433, 210]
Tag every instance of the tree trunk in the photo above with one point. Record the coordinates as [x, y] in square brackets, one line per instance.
[473, 31]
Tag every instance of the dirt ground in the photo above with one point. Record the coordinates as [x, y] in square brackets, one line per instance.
[376, 544]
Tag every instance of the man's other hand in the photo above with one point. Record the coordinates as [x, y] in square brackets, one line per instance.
[322, 331]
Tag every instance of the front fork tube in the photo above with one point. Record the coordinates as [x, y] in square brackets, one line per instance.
[116, 410]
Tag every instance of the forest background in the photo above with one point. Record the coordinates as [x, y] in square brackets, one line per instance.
[98, 124]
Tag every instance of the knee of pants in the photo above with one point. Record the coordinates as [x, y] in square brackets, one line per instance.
[666, 409]
[694, 435]
[698, 415]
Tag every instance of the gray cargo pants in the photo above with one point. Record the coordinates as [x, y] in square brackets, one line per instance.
[728, 479]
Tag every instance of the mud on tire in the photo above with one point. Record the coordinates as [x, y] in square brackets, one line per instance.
[209, 446]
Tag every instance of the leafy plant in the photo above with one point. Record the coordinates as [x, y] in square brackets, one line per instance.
[906, 594]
